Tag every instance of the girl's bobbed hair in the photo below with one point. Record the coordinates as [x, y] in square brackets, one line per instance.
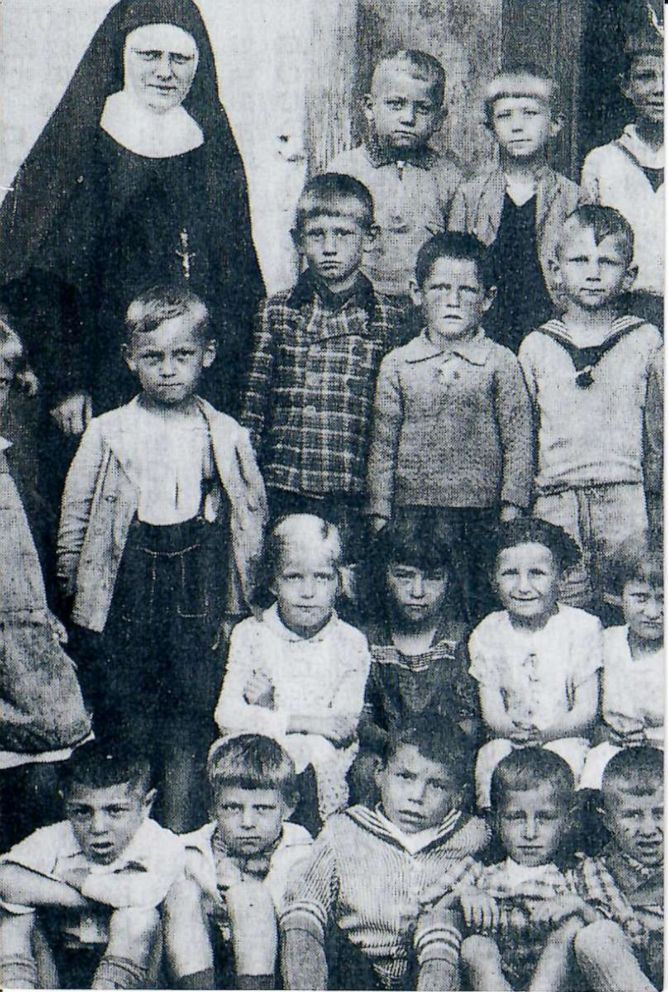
[533, 530]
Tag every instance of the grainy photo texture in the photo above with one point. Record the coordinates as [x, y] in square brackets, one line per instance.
[331, 515]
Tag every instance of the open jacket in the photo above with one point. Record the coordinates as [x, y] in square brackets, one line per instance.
[100, 501]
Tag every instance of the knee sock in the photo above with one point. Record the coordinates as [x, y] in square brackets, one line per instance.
[119, 973]
[197, 980]
[18, 972]
[256, 982]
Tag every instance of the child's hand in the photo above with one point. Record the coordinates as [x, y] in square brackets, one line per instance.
[339, 729]
[259, 691]
[509, 512]
[481, 912]
[75, 877]
[73, 414]
[554, 911]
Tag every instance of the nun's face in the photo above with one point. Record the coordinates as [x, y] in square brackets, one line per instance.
[160, 64]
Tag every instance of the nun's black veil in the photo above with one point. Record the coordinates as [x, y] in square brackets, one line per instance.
[35, 235]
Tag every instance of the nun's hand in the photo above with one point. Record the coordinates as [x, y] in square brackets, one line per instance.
[73, 414]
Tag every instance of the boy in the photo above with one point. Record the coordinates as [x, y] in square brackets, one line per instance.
[238, 867]
[91, 884]
[518, 208]
[411, 184]
[627, 173]
[162, 505]
[588, 375]
[317, 352]
[452, 419]
[623, 950]
[372, 873]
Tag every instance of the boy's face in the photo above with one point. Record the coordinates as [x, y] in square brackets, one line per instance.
[250, 820]
[169, 361]
[104, 821]
[642, 604]
[523, 125]
[636, 822]
[401, 109]
[592, 275]
[417, 596]
[160, 65]
[306, 587]
[416, 792]
[531, 824]
[453, 299]
[334, 245]
[527, 581]
[644, 88]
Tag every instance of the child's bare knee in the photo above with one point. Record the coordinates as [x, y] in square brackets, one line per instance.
[16, 932]
[249, 900]
[595, 940]
[477, 949]
[133, 931]
[254, 928]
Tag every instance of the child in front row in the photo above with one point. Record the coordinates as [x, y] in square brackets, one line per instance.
[452, 419]
[536, 662]
[623, 950]
[519, 206]
[374, 873]
[221, 920]
[589, 375]
[633, 687]
[297, 673]
[92, 884]
[162, 518]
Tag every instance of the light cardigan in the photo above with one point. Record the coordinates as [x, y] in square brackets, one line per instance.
[100, 501]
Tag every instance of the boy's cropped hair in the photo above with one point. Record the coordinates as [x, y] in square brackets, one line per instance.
[517, 79]
[528, 768]
[252, 761]
[533, 530]
[160, 303]
[294, 525]
[636, 770]
[327, 193]
[420, 65]
[638, 559]
[96, 765]
[604, 222]
[453, 244]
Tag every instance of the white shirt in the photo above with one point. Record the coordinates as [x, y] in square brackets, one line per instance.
[537, 671]
[633, 688]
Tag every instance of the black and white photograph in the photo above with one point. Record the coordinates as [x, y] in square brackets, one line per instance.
[331, 495]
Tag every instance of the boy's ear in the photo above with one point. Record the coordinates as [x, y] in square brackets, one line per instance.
[367, 108]
[209, 354]
[371, 236]
[556, 124]
[490, 296]
[416, 293]
[126, 352]
[630, 277]
[555, 270]
[148, 800]
[378, 769]
[296, 236]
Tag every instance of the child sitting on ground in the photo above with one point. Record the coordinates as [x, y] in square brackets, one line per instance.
[298, 672]
[452, 419]
[522, 913]
[411, 184]
[633, 685]
[316, 355]
[418, 663]
[623, 950]
[536, 661]
[92, 884]
[162, 518]
[372, 872]
[588, 375]
[221, 920]
[519, 206]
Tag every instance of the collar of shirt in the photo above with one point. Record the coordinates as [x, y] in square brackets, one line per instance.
[379, 155]
[650, 158]
[630, 873]
[377, 823]
[474, 350]
[360, 294]
[619, 326]
[518, 875]
[276, 625]
[135, 855]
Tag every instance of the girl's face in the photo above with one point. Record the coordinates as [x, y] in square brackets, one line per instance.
[527, 581]
[642, 604]
[416, 596]
[160, 64]
[305, 587]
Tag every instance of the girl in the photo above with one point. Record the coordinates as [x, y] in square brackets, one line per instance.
[297, 673]
[632, 698]
[536, 661]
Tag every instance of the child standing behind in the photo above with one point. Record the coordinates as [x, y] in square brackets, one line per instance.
[589, 375]
[298, 673]
[411, 184]
[452, 419]
[518, 208]
[316, 356]
[536, 662]
[162, 517]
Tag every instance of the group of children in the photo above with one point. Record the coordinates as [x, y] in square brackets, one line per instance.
[386, 589]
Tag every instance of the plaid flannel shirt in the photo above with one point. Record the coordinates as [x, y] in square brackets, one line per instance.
[310, 391]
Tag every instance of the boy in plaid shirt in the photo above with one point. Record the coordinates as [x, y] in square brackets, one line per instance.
[317, 351]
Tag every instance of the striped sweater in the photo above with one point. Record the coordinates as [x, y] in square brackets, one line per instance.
[364, 879]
